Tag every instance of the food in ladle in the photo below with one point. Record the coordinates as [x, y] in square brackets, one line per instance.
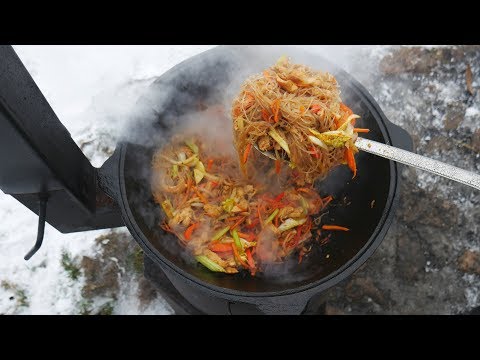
[297, 114]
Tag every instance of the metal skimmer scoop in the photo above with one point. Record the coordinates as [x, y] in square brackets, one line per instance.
[409, 158]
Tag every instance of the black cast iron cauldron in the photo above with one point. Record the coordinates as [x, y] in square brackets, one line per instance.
[205, 78]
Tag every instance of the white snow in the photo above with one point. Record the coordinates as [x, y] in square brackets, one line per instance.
[472, 111]
[47, 286]
[472, 118]
[472, 293]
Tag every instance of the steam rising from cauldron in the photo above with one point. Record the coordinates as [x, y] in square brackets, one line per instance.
[184, 104]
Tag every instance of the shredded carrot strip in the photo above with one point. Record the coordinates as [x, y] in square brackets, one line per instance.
[200, 196]
[219, 247]
[280, 197]
[253, 224]
[251, 262]
[346, 109]
[327, 200]
[210, 164]
[306, 190]
[275, 109]
[296, 239]
[249, 237]
[351, 161]
[247, 152]
[167, 228]
[308, 226]
[360, 130]
[214, 184]
[242, 219]
[233, 218]
[325, 240]
[237, 256]
[249, 100]
[259, 215]
[313, 151]
[189, 231]
[278, 166]
[347, 112]
[189, 185]
[265, 115]
[300, 257]
[337, 123]
[302, 109]
[316, 108]
[335, 227]
[236, 111]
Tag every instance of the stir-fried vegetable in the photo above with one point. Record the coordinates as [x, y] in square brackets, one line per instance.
[275, 109]
[174, 171]
[278, 166]
[198, 175]
[272, 216]
[220, 233]
[251, 261]
[242, 219]
[318, 142]
[209, 164]
[351, 161]
[290, 224]
[209, 264]
[228, 204]
[237, 241]
[238, 257]
[189, 231]
[281, 141]
[335, 227]
[220, 247]
[168, 208]
[246, 153]
[192, 146]
[359, 130]
[336, 138]
[253, 225]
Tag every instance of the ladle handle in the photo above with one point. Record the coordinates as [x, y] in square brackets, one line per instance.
[420, 162]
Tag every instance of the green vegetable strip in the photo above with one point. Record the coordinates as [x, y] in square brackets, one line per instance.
[271, 217]
[209, 264]
[290, 224]
[276, 136]
[237, 241]
[228, 204]
[168, 208]
[304, 204]
[174, 171]
[219, 234]
[192, 146]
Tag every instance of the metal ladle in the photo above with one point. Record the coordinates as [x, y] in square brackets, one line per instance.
[408, 158]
